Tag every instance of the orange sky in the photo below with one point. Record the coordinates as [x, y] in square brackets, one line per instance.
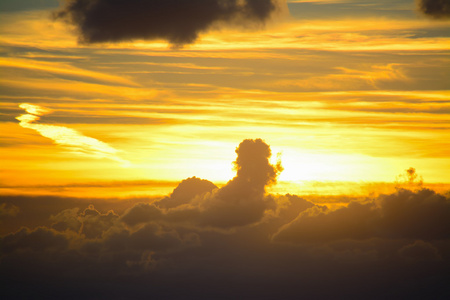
[341, 97]
[225, 149]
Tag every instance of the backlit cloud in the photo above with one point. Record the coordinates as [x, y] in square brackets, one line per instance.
[240, 202]
[67, 137]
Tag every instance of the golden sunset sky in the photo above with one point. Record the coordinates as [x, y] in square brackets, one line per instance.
[342, 91]
[225, 149]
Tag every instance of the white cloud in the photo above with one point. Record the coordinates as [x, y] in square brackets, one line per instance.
[68, 138]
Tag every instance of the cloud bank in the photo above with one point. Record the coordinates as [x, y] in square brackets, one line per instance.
[233, 242]
[177, 21]
[67, 137]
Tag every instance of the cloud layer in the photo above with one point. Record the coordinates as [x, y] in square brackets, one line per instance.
[177, 21]
[237, 241]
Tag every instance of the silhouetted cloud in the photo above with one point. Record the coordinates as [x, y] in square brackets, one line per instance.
[405, 214]
[7, 209]
[186, 191]
[438, 9]
[420, 250]
[177, 21]
[237, 241]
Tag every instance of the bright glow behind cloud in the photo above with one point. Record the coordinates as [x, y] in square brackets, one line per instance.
[66, 137]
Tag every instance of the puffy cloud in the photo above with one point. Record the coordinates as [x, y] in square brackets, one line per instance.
[422, 214]
[39, 239]
[177, 21]
[90, 223]
[67, 219]
[142, 213]
[7, 209]
[404, 214]
[60, 213]
[438, 9]
[186, 191]
[318, 225]
[420, 250]
[93, 223]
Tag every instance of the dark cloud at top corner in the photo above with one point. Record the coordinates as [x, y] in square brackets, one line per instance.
[177, 21]
[437, 9]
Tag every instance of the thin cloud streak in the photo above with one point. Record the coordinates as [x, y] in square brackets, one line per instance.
[67, 137]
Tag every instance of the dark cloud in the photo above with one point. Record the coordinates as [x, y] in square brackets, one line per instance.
[7, 209]
[234, 242]
[186, 191]
[177, 21]
[35, 211]
[94, 223]
[420, 250]
[438, 9]
[37, 240]
[404, 214]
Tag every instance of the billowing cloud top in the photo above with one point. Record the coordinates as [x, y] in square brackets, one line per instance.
[177, 21]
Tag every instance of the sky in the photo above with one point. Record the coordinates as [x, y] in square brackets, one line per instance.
[353, 91]
[234, 149]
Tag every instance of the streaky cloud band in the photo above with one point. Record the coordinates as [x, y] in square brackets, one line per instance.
[68, 138]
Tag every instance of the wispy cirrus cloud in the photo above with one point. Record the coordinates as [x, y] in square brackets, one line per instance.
[68, 138]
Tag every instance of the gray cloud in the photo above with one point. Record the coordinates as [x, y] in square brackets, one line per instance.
[438, 9]
[186, 191]
[420, 250]
[177, 21]
[404, 214]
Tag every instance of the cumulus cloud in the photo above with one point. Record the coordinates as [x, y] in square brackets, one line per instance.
[7, 209]
[438, 9]
[241, 201]
[34, 240]
[420, 250]
[404, 214]
[186, 191]
[237, 241]
[177, 21]
[67, 137]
